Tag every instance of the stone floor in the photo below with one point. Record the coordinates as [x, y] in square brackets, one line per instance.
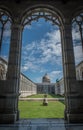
[41, 124]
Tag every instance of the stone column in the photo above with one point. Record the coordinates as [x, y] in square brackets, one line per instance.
[11, 88]
[71, 93]
[15, 52]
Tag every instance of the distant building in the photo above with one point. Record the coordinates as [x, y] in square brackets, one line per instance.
[59, 85]
[61, 82]
[46, 86]
[79, 71]
[28, 87]
[3, 69]
[46, 79]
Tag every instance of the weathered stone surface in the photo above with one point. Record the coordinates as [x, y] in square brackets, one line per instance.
[18, 11]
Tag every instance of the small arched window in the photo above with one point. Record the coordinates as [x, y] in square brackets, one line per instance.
[77, 34]
[5, 34]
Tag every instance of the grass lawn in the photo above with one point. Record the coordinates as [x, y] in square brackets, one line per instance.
[35, 109]
[48, 96]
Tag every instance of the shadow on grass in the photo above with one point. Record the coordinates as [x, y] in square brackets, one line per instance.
[62, 101]
[56, 96]
[43, 105]
[48, 96]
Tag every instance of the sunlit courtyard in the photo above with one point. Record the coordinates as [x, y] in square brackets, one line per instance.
[35, 109]
[41, 65]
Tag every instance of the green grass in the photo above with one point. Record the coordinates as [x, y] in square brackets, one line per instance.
[42, 96]
[35, 109]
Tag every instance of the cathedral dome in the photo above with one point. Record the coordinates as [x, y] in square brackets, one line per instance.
[46, 78]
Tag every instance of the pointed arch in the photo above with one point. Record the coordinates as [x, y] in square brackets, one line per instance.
[54, 13]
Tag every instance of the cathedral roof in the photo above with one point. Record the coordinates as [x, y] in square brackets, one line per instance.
[46, 78]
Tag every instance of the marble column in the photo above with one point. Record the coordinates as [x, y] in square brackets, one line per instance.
[11, 88]
[71, 92]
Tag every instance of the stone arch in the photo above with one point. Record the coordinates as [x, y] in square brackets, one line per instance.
[11, 114]
[50, 8]
[5, 18]
[76, 12]
[67, 54]
[77, 20]
[6, 11]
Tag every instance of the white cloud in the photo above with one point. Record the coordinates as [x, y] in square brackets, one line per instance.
[38, 79]
[46, 50]
[24, 68]
[54, 36]
[78, 54]
[75, 33]
[56, 74]
[27, 27]
[29, 66]
[7, 30]
[7, 33]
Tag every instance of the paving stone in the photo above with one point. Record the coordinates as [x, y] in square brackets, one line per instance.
[41, 124]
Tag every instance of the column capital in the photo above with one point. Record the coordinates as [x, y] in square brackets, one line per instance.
[66, 26]
[17, 25]
[67, 20]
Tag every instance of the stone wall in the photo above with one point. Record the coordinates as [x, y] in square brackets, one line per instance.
[27, 87]
[45, 88]
[79, 71]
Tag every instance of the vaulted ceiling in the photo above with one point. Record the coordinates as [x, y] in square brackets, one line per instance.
[63, 1]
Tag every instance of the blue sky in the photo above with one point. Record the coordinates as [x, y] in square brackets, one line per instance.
[41, 50]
